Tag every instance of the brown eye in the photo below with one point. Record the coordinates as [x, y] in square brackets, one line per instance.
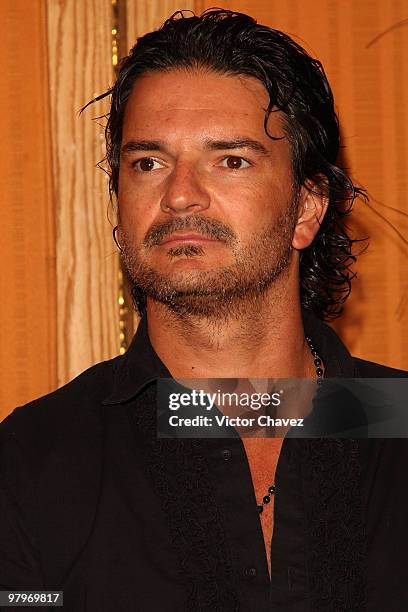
[236, 163]
[147, 164]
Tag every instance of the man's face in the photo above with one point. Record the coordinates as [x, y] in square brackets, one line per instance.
[206, 201]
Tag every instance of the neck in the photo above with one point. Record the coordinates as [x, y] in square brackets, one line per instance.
[264, 339]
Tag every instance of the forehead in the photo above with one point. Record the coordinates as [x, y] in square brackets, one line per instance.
[201, 100]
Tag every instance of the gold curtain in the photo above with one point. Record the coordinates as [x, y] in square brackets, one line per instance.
[28, 341]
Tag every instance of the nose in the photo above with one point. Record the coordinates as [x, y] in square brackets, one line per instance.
[184, 192]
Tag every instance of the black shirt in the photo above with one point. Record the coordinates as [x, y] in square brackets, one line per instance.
[92, 503]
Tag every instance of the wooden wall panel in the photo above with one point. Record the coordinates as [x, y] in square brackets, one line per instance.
[27, 250]
[363, 45]
[80, 64]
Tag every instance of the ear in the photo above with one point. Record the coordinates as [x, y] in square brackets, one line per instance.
[312, 207]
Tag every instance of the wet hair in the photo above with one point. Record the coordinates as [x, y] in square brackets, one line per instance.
[231, 43]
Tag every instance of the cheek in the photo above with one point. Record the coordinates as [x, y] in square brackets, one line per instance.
[253, 206]
[137, 206]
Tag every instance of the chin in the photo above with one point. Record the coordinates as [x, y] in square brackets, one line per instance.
[188, 281]
[186, 263]
[184, 269]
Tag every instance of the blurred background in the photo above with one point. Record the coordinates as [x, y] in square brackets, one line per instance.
[63, 306]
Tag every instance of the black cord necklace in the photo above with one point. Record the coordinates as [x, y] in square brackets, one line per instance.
[319, 373]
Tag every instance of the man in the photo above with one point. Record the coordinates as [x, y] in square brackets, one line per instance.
[222, 144]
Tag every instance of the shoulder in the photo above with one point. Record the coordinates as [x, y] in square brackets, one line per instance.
[51, 466]
[370, 369]
[43, 421]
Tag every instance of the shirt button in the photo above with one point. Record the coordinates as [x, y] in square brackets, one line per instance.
[250, 572]
[226, 454]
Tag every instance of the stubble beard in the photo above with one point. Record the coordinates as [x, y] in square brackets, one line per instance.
[216, 294]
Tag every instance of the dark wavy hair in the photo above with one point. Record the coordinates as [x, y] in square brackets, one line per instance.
[232, 43]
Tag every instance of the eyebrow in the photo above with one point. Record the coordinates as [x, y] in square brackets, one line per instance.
[236, 143]
[142, 145]
[209, 144]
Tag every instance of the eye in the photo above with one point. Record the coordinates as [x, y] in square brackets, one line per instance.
[147, 164]
[235, 163]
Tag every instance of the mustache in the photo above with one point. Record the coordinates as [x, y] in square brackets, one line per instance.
[210, 228]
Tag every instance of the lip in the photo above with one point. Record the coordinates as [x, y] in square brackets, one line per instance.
[184, 238]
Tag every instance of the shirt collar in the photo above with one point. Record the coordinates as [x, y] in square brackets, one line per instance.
[141, 365]
[336, 358]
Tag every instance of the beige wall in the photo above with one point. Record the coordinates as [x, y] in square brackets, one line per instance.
[59, 270]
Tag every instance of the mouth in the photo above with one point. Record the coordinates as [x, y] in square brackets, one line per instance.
[180, 238]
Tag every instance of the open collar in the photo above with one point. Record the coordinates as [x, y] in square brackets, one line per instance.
[141, 365]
